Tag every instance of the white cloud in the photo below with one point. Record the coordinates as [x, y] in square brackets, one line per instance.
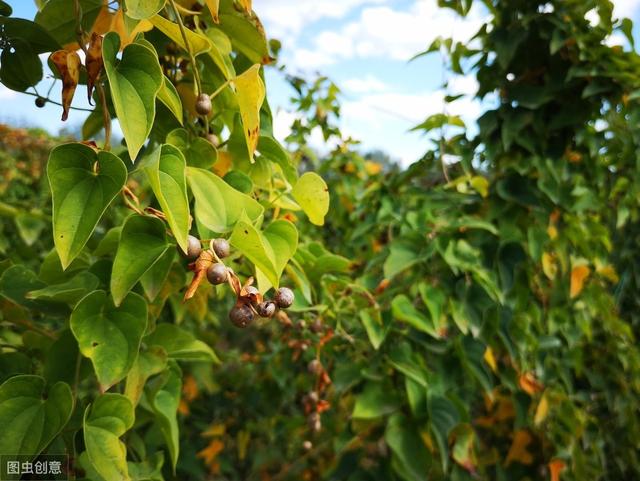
[625, 8]
[285, 19]
[382, 31]
[366, 84]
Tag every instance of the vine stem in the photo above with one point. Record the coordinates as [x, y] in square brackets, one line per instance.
[219, 89]
[58, 103]
[106, 118]
[187, 46]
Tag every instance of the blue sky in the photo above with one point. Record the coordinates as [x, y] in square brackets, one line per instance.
[363, 45]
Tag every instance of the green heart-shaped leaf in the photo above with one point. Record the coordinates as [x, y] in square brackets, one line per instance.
[134, 83]
[140, 9]
[164, 398]
[405, 311]
[28, 422]
[153, 280]
[218, 205]
[168, 95]
[59, 19]
[108, 335]
[269, 251]
[312, 193]
[20, 66]
[148, 363]
[110, 416]
[165, 169]
[143, 241]
[68, 292]
[198, 151]
[180, 344]
[83, 184]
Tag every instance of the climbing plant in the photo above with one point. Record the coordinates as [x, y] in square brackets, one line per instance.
[114, 252]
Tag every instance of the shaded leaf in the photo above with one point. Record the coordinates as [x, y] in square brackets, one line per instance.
[105, 421]
[179, 344]
[143, 241]
[108, 335]
[83, 184]
[218, 205]
[28, 420]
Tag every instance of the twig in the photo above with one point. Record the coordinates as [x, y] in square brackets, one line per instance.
[187, 46]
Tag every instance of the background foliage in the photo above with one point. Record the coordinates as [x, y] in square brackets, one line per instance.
[472, 316]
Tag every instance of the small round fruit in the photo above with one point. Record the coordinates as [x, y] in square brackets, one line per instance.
[313, 397]
[314, 421]
[314, 367]
[194, 248]
[213, 139]
[266, 308]
[284, 297]
[251, 292]
[40, 101]
[203, 104]
[307, 445]
[221, 247]
[217, 274]
[241, 315]
[316, 325]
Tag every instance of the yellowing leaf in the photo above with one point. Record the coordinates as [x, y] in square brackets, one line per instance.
[250, 91]
[463, 449]
[198, 43]
[490, 359]
[552, 232]
[223, 164]
[556, 466]
[312, 193]
[103, 22]
[480, 185]
[217, 429]
[518, 450]
[127, 30]
[188, 97]
[246, 4]
[213, 6]
[609, 273]
[579, 275]
[549, 265]
[68, 65]
[372, 168]
[542, 410]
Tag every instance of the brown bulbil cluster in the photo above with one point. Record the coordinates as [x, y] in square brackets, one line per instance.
[250, 303]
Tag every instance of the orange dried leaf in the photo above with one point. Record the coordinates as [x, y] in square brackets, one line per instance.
[190, 389]
[68, 65]
[246, 4]
[579, 275]
[518, 451]
[93, 62]
[529, 384]
[210, 453]
[556, 466]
